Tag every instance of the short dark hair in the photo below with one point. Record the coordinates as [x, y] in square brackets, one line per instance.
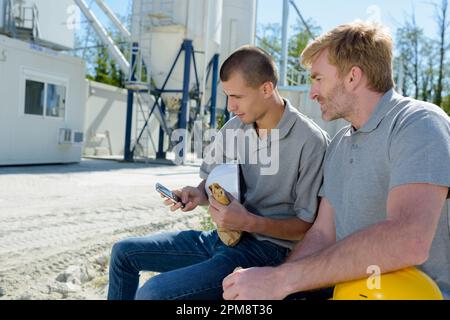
[256, 66]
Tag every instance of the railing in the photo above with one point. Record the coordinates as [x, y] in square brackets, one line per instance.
[18, 17]
[295, 77]
[8, 19]
[36, 28]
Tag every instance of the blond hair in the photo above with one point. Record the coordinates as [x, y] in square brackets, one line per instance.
[365, 45]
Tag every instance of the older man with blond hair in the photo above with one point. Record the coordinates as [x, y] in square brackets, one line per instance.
[386, 176]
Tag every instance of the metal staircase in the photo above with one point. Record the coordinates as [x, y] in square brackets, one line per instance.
[21, 21]
[151, 101]
[138, 71]
[153, 13]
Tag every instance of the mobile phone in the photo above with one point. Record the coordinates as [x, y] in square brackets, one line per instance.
[168, 194]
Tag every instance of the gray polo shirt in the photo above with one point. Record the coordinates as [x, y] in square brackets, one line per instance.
[285, 187]
[404, 142]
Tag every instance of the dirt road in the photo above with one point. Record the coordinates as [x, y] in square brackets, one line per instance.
[53, 217]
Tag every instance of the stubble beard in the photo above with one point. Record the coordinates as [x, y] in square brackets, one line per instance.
[338, 103]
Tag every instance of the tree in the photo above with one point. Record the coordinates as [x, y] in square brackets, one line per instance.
[421, 64]
[299, 41]
[411, 42]
[301, 36]
[268, 37]
[443, 21]
[106, 70]
[100, 66]
[446, 104]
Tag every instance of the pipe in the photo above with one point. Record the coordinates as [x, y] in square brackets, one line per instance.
[128, 153]
[125, 33]
[184, 112]
[103, 34]
[285, 43]
[215, 80]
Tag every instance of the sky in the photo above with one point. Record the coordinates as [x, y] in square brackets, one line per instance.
[330, 13]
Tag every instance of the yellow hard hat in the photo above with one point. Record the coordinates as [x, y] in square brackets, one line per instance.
[406, 284]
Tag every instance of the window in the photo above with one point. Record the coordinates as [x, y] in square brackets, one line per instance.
[34, 97]
[45, 99]
[56, 101]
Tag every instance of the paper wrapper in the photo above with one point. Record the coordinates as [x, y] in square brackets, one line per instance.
[228, 237]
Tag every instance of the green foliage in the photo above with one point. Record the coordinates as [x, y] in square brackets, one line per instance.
[106, 70]
[220, 121]
[206, 221]
[268, 38]
[421, 63]
[299, 41]
[446, 104]
[100, 65]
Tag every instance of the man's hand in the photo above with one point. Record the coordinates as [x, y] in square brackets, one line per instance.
[191, 197]
[252, 284]
[232, 217]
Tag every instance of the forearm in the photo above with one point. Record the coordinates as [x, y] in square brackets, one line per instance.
[286, 229]
[382, 245]
[201, 188]
[314, 241]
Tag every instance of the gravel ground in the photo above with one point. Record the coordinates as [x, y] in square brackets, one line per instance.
[59, 222]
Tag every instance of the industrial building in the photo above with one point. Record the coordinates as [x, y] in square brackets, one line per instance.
[50, 113]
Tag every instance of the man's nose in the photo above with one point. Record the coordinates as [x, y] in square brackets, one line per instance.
[313, 94]
[232, 106]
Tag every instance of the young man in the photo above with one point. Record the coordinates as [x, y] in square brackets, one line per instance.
[386, 176]
[279, 205]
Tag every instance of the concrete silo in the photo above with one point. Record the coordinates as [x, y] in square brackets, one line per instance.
[215, 27]
[173, 44]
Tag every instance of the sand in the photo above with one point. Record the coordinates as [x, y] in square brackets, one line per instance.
[60, 218]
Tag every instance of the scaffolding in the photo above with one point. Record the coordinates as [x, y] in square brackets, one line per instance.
[143, 93]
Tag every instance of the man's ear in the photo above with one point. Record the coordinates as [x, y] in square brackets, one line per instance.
[267, 89]
[354, 78]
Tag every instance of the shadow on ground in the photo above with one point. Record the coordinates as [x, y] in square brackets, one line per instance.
[86, 165]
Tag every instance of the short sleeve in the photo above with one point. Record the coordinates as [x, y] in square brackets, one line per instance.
[310, 177]
[322, 191]
[420, 150]
[213, 156]
[215, 153]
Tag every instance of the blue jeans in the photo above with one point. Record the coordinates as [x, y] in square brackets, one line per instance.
[445, 294]
[192, 265]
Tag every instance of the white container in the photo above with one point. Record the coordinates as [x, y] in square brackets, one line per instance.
[43, 136]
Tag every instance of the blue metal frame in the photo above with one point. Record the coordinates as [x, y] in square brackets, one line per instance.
[226, 113]
[128, 153]
[183, 121]
[184, 113]
[161, 154]
[212, 102]
[215, 80]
